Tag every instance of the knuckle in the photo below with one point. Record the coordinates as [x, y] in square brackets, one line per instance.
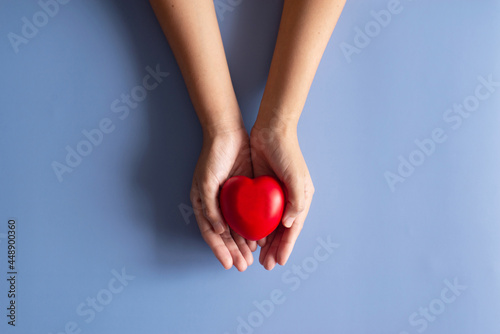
[298, 205]
[206, 186]
[210, 214]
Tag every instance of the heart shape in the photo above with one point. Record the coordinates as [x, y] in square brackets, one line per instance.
[253, 208]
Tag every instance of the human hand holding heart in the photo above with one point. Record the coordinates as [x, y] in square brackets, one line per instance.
[279, 168]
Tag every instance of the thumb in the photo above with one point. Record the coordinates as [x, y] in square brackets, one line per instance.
[208, 196]
[295, 198]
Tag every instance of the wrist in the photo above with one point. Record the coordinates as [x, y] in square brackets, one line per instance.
[272, 132]
[222, 126]
[277, 120]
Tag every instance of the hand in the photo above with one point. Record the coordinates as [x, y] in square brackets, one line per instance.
[275, 151]
[224, 154]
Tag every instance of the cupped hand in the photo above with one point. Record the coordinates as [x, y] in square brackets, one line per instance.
[224, 154]
[275, 151]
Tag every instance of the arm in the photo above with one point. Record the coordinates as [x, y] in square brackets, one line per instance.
[305, 28]
[193, 33]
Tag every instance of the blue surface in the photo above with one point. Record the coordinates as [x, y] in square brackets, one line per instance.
[394, 254]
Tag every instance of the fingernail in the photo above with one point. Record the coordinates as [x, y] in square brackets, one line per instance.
[288, 222]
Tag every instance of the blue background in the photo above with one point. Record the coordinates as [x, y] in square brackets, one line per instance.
[121, 206]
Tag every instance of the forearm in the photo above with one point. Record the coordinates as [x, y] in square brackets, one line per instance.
[193, 33]
[305, 28]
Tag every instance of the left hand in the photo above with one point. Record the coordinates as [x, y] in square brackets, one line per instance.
[223, 155]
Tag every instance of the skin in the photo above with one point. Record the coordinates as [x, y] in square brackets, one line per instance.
[273, 147]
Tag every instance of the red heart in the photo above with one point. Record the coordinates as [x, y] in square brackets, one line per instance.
[253, 208]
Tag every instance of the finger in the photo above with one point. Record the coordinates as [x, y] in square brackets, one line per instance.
[238, 260]
[197, 202]
[271, 256]
[215, 242]
[264, 249]
[290, 235]
[209, 191]
[288, 240]
[262, 242]
[252, 245]
[213, 239]
[296, 202]
[243, 246]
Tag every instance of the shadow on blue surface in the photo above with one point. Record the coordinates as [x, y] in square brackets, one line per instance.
[164, 169]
